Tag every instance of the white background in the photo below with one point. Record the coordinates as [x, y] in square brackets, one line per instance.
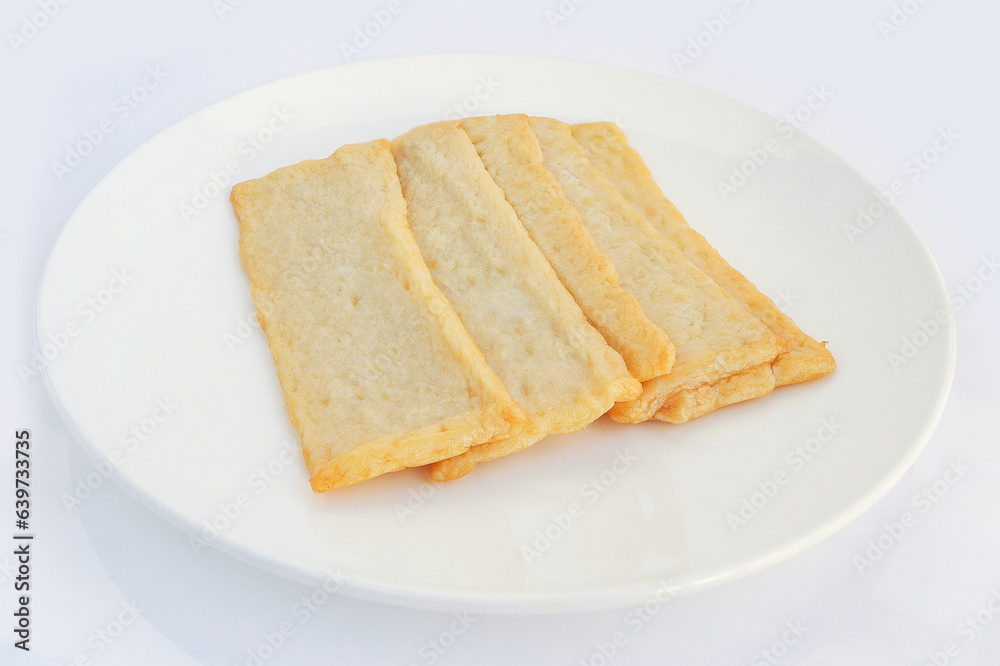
[891, 93]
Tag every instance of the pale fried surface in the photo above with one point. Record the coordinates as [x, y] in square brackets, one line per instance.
[714, 336]
[459, 466]
[691, 403]
[608, 149]
[377, 371]
[533, 334]
[513, 158]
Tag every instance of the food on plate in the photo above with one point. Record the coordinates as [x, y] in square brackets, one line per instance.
[513, 158]
[694, 402]
[609, 150]
[377, 371]
[714, 336]
[475, 285]
[533, 334]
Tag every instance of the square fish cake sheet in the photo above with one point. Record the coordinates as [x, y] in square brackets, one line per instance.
[608, 148]
[532, 332]
[714, 336]
[377, 371]
[514, 159]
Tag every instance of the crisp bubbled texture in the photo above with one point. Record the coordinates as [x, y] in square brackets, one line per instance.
[533, 334]
[714, 336]
[374, 374]
[608, 148]
[514, 160]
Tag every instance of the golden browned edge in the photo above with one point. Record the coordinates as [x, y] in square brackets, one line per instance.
[574, 254]
[658, 391]
[608, 148]
[692, 403]
[460, 465]
[414, 449]
[694, 372]
[624, 388]
[499, 415]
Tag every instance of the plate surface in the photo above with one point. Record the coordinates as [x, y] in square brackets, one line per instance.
[154, 356]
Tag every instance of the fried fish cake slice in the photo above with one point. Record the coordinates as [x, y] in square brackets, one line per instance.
[714, 336]
[377, 371]
[608, 148]
[692, 403]
[533, 334]
[512, 156]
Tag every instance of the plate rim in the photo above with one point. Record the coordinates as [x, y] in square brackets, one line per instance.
[514, 603]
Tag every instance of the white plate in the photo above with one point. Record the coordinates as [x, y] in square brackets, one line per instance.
[562, 525]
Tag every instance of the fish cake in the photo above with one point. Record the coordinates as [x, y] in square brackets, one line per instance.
[512, 156]
[609, 150]
[555, 365]
[713, 335]
[377, 371]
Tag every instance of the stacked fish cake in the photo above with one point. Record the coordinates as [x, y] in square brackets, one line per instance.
[477, 285]
[377, 370]
[533, 333]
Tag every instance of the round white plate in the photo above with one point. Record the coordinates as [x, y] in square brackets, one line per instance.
[152, 351]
